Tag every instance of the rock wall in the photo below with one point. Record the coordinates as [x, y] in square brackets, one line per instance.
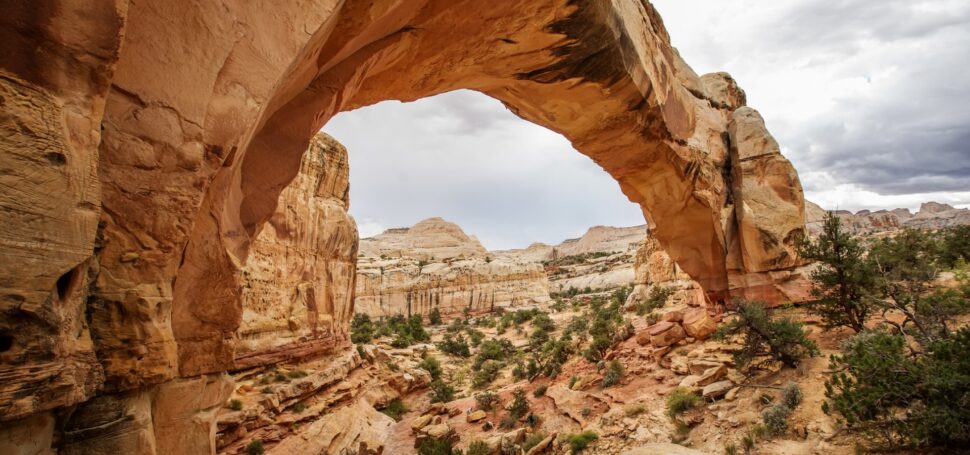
[931, 215]
[146, 145]
[298, 282]
[434, 264]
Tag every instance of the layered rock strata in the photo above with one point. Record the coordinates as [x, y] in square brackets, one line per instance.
[434, 264]
[931, 215]
[148, 143]
[298, 282]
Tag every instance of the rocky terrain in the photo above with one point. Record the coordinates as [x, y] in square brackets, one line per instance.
[148, 151]
[931, 215]
[434, 264]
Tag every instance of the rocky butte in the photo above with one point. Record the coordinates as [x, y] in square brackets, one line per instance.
[146, 149]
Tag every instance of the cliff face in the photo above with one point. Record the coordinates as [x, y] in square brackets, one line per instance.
[436, 265]
[931, 215]
[298, 281]
[146, 145]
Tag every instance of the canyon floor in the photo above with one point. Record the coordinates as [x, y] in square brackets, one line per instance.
[322, 406]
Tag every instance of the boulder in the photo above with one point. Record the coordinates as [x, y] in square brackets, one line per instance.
[717, 389]
[475, 416]
[666, 333]
[712, 375]
[420, 422]
[542, 446]
[699, 324]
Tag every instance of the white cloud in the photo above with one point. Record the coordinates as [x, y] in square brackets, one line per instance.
[868, 99]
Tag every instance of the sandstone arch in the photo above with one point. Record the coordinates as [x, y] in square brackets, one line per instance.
[206, 107]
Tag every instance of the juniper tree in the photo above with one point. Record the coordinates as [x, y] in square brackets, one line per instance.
[844, 283]
[783, 339]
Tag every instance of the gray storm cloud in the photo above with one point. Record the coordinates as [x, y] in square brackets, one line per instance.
[868, 99]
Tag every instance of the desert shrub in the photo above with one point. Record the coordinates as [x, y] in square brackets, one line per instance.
[730, 448]
[775, 419]
[494, 349]
[235, 405]
[508, 422]
[955, 247]
[295, 374]
[656, 299]
[395, 409]
[844, 286]
[299, 407]
[432, 366]
[486, 400]
[540, 391]
[791, 395]
[519, 406]
[604, 329]
[542, 321]
[255, 447]
[614, 372]
[554, 354]
[903, 397]
[478, 447]
[681, 400]
[578, 325]
[475, 336]
[533, 440]
[361, 329]
[434, 316]
[634, 409]
[454, 345]
[441, 392]
[434, 446]
[572, 381]
[783, 339]
[266, 390]
[579, 442]
[486, 373]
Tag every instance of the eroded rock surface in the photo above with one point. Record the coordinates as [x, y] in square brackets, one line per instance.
[298, 281]
[434, 264]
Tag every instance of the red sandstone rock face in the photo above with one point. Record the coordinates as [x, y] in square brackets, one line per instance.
[190, 118]
[298, 280]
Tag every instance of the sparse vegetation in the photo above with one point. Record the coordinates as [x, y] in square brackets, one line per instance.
[533, 440]
[478, 447]
[235, 405]
[433, 446]
[441, 392]
[579, 442]
[255, 447]
[486, 400]
[455, 345]
[844, 285]
[395, 409]
[782, 339]
[614, 373]
[681, 400]
[361, 329]
[656, 299]
[519, 406]
[434, 316]
[540, 391]
[775, 419]
[432, 366]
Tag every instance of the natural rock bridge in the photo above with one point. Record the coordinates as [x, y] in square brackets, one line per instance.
[145, 144]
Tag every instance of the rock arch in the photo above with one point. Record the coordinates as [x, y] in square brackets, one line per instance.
[181, 121]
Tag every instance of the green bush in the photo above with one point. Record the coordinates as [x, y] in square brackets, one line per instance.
[478, 447]
[486, 400]
[681, 400]
[783, 339]
[486, 373]
[519, 405]
[296, 374]
[613, 374]
[454, 345]
[655, 300]
[255, 447]
[540, 391]
[579, 442]
[845, 284]
[299, 408]
[433, 446]
[775, 419]
[791, 395]
[395, 409]
[235, 405]
[903, 397]
[361, 329]
[955, 246]
[533, 440]
[432, 366]
[441, 392]
[434, 316]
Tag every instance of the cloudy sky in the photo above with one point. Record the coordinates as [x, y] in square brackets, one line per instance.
[869, 99]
